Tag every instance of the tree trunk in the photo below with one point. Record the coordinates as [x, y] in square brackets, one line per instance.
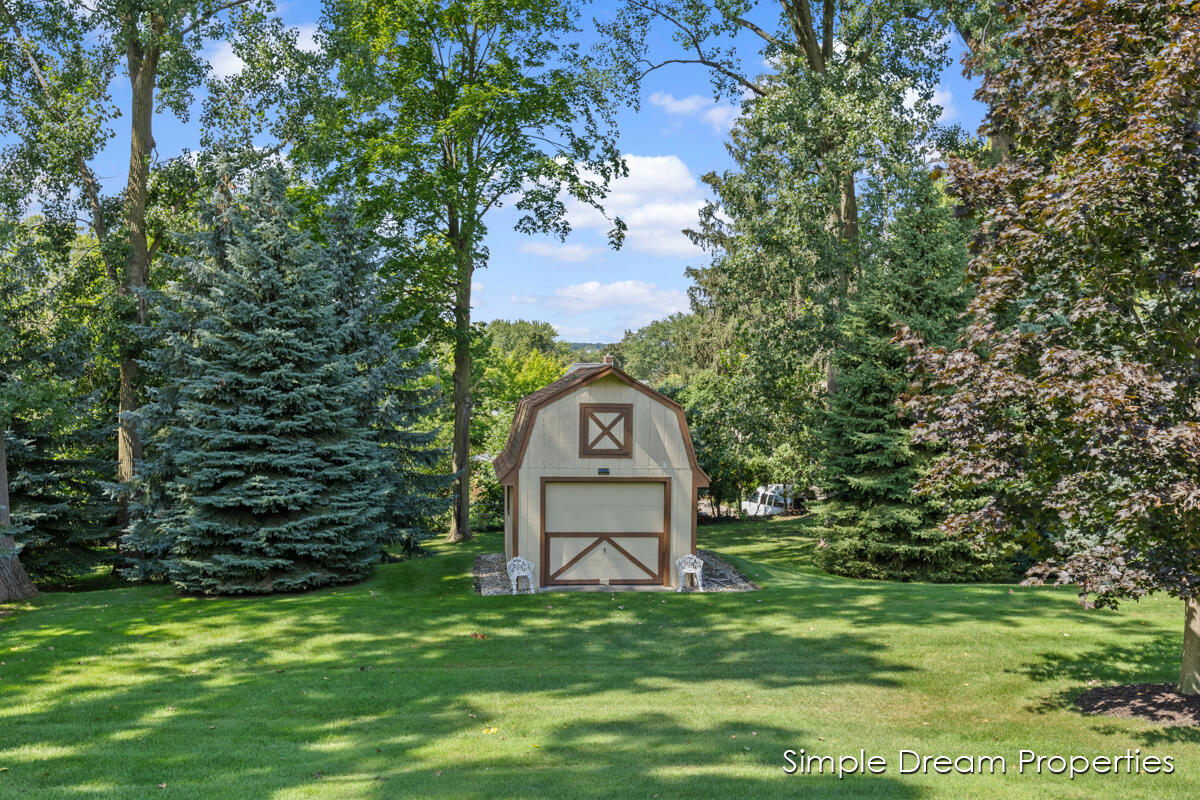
[1189, 673]
[849, 213]
[14, 583]
[129, 443]
[143, 75]
[460, 521]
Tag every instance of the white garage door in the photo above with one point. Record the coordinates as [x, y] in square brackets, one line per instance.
[604, 532]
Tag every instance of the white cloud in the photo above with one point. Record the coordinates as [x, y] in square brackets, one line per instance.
[941, 97]
[594, 294]
[720, 117]
[628, 304]
[306, 38]
[576, 333]
[657, 200]
[945, 99]
[481, 298]
[686, 105]
[566, 253]
[225, 62]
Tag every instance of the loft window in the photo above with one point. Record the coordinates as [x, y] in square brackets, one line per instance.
[605, 430]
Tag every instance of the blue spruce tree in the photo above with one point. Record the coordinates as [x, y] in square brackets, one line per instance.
[401, 396]
[268, 465]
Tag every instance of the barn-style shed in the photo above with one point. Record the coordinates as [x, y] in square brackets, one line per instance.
[600, 481]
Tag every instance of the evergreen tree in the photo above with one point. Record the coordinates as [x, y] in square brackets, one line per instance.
[401, 398]
[61, 519]
[54, 436]
[268, 472]
[877, 527]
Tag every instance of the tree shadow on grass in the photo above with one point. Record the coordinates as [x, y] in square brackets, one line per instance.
[1152, 659]
[779, 555]
[349, 687]
[606, 759]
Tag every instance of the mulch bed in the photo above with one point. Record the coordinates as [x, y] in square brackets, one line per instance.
[1155, 702]
[718, 576]
[491, 576]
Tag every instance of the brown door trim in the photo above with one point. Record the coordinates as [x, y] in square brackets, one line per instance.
[664, 536]
[631, 557]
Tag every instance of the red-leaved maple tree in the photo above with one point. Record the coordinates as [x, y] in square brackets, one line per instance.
[1073, 398]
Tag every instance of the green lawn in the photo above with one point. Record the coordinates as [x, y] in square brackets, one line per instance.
[379, 690]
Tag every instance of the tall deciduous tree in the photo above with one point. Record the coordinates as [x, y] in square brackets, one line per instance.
[839, 72]
[816, 149]
[521, 337]
[1073, 397]
[445, 110]
[59, 66]
[677, 346]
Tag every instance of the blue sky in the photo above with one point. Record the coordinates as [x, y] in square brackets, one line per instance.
[587, 291]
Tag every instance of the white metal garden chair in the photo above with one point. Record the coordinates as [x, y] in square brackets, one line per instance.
[517, 568]
[690, 564]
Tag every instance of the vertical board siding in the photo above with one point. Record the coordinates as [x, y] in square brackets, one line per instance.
[553, 451]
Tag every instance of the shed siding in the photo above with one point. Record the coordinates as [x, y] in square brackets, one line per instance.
[659, 451]
[604, 507]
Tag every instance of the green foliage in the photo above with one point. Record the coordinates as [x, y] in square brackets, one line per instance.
[507, 372]
[62, 520]
[464, 103]
[509, 377]
[61, 115]
[69, 71]
[269, 472]
[53, 352]
[441, 113]
[521, 337]
[487, 499]
[402, 394]
[678, 347]
[723, 421]
[877, 527]
[822, 150]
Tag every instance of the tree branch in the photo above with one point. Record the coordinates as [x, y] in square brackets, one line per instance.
[696, 45]
[751, 85]
[800, 15]
[91, 185]
[760, 33]
[827, 31]
[198, 21]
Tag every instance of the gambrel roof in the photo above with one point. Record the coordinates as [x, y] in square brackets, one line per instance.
[509, 461]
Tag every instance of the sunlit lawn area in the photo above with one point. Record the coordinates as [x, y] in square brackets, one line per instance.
[379, 690]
